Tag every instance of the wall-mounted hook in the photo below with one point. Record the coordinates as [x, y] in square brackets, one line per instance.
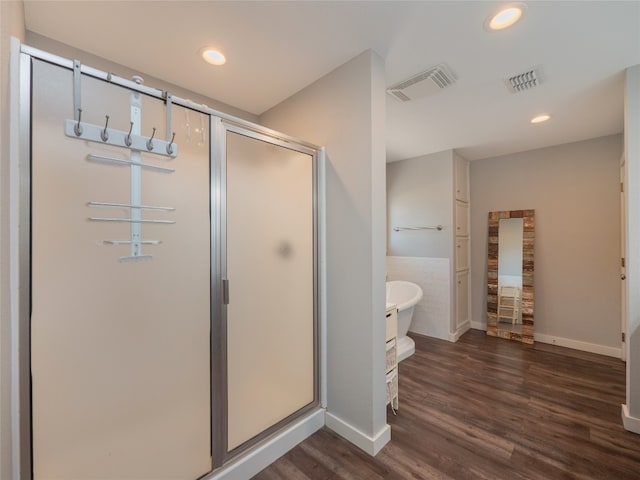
[127, 138]
[77, 128]
[104, 135]
[150, 141]
[170, 146]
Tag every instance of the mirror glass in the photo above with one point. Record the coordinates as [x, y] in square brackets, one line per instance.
[510, 275]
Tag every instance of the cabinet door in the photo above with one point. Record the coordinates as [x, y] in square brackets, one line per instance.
[462, 254]
[462, 298]
[462, 219]
[462, 174]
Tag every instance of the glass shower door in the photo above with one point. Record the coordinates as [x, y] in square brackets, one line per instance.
[270, 270]
[120, 351]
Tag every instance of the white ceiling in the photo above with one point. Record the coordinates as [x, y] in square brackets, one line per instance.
[275, 49]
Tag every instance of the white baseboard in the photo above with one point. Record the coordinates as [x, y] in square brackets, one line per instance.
[268, 452]
[631, 424]
[564, 342]
[371, 445]
[578, 345]
[478, 325]
[462, 329]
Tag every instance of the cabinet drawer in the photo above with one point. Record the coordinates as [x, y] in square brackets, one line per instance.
[462, 219]
[461, 174]
[462, 254]
[462, 298]
[392, 325]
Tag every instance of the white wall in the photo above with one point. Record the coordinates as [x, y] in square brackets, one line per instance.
[11, 24]
[344, 111]
[419, 194]
[575, 191]
[432, 313]
[631, 414]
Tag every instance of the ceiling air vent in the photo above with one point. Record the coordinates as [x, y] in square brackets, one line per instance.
[523, 81]
[423, 84]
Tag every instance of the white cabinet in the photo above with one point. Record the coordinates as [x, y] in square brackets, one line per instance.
[461, 171]
[460, 271]
[462, 253]
[462, 298]
[391, 369]
[462, 219]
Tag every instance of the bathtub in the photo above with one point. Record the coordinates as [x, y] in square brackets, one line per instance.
[405, 295]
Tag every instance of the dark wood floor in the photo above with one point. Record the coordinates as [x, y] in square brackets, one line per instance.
[487, 408]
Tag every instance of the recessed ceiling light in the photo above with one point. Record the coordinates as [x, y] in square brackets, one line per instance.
[506, 16]
[540, 118]
[213, 56]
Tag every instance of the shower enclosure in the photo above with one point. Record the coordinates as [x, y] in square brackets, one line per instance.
[168, 279]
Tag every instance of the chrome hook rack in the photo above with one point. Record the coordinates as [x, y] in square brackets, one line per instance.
[127, 138]
[76, 128]
[169, 147]
[104, 135]
[137, 145]
[150, 141]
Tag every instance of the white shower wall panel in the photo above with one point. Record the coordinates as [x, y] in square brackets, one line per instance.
[431, 315]
[120, 352]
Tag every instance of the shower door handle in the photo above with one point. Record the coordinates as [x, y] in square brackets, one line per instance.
[225, 291]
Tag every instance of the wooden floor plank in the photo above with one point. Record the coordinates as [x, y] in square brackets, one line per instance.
[488, 408]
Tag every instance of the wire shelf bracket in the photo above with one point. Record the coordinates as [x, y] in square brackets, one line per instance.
[136, 144]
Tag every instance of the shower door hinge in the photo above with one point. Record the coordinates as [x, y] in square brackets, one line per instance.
[622, 262]
[622, 337]
[621, 187]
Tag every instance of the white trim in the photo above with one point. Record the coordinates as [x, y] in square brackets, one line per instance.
[631, 424]
[478, 325]
[322, 266]
[462, 329]
[578, 345]
[371, 445]
[565, 342]
[632, 202]
[14, 249]
[268, 452]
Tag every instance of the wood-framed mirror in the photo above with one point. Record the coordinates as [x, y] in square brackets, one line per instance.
[510, 269]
